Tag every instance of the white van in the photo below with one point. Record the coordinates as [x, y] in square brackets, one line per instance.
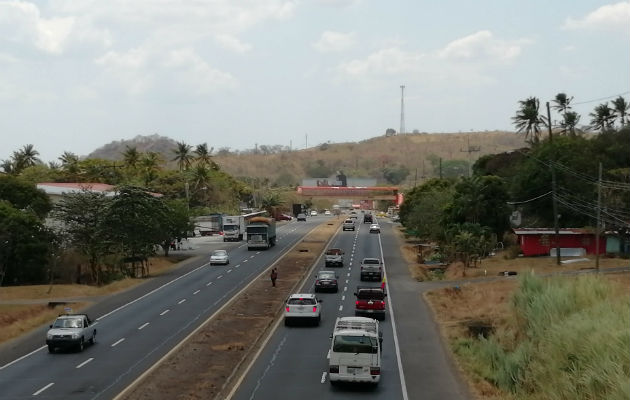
[355, 351]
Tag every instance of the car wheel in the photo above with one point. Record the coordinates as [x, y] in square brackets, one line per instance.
[81, 345]
[51, 348]
[286, 322]
[93, 338]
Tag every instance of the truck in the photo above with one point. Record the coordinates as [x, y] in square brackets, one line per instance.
[209, 225]
[234, 228]
[333, 257]
[371, 268]
[355, 351]
[261, 233]
[370, 302]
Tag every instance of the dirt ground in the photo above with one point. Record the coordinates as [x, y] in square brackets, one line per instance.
[23, 308]
[208, 364]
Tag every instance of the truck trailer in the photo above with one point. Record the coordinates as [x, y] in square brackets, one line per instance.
[261, 233]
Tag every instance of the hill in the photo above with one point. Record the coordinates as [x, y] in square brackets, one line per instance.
[417, 154]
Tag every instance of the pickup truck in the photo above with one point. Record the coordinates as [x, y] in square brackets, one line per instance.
[371, 268]
[333, 258]
[370, 302]
[70, 330]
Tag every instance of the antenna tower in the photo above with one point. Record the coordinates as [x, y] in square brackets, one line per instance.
[402, 109]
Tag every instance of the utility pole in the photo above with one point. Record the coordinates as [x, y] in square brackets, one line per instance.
[440, 167]
[549, 122]
[599, 208]
[306, 137]
[415, 181]
[469, 150]
[555, 214]
[402, 109]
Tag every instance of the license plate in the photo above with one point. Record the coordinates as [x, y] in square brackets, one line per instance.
[370, 311]
[354, 371]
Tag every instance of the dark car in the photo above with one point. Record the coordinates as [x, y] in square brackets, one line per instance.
[368, 219]
[326, 281]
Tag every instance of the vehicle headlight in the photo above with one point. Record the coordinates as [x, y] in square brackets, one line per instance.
[75, 336]
[49, 336]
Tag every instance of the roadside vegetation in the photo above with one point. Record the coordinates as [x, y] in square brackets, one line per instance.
[557, 338]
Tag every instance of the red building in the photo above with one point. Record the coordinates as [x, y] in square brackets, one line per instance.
[540, 241]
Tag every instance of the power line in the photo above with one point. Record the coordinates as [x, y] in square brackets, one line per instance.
[512, 203]
[600, 99]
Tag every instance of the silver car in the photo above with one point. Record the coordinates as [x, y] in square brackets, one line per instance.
[219, 257]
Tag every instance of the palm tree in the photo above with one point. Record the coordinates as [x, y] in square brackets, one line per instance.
[602, 117]
[183, 156]
[562, 103]
[528, 120]
[7, 166]
[569, 122]
[150, 165]
[131, 157]
[620, 107]
[204, 156]
[25, 157]
[68, 158]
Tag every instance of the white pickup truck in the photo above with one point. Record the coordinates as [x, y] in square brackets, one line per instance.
[70, 330]
[355, 351]
[333, 258]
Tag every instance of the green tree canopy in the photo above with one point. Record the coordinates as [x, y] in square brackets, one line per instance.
[24, 196]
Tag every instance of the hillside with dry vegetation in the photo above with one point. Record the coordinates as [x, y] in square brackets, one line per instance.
[369, 158]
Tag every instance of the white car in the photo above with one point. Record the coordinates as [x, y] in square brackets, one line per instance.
[313, 213]
[302, 307]
[219, 257]
[70, 330]
[327, 212]
[374, 228]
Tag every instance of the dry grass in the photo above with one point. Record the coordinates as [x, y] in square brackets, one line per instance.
[17, 319]
[488, 302]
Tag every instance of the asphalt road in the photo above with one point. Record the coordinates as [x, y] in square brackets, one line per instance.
[137, 327]
[416, 367]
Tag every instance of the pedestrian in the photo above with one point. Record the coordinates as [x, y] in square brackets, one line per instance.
[274, 276]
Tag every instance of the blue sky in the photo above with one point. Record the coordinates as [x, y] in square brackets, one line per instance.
[76, 75]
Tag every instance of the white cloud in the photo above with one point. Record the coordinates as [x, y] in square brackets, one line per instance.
[335, 41]
[482, 46]
[608, 17]
[21, 23]
[232, 43]
[383, 62]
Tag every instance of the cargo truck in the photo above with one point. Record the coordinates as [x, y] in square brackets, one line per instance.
[209, 225]
[233, 228]
[261, 233]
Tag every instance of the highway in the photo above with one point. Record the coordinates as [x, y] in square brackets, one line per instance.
[138, 327]
[294, 364]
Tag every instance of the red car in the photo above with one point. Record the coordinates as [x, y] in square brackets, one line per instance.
[284, 217]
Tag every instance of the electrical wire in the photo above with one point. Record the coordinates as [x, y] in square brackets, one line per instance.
[600, 99]
[512, 203]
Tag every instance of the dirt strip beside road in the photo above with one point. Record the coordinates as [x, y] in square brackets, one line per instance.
[208, 364]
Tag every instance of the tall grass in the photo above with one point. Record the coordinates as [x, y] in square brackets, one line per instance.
[569, 339]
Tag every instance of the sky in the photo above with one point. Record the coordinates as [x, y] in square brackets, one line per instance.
[78, 74]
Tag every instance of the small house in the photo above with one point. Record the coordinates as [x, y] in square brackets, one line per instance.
[572, 241]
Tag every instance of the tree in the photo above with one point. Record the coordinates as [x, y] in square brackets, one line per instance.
[602, 117]
[569, 122]
[563, 103]
[183, 156]
[528, 120]
[620, 107]
[467, 240]
[204, 156]
[176, 223]
[395, 175]
[26, 157]
[131, 157]
[23, 246]
[82, 217]
[70, 164]
[24, 196]
[150, 166]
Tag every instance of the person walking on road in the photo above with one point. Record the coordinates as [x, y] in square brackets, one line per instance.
[274, 276]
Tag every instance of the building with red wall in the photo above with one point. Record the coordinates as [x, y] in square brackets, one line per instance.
[540, 241]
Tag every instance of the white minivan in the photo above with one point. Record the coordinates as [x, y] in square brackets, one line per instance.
[355, 351]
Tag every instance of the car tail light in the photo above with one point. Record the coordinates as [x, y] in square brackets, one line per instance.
[287, 308]
[334, 281]
[375, 370]
[317, 281]
[314, 308]
[333, 369]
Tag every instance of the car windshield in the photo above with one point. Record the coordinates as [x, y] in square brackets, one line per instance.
[219, 253]
[371, 261]
[68, 323]
[355, 344]
[302, 302]
[326, 275]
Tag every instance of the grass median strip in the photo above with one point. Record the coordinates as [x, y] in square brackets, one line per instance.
[207, 365]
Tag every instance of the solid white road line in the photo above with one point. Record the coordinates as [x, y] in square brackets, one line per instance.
[84, 362]
[403, 384]
[323, 377]
[164, 312]
[143, 326]
[44, 388]
[23, 357]
[181, 301]
[119, 341]
[196, 291]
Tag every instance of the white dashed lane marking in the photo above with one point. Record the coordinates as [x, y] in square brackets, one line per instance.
[84, 362]
[229, 270]
[220, 276]
[143, 326]
[44, 388]
[196, 291]
[345, 288]
[181, 301]
[237, 265]
[340, 308]
[119, 341]
[343, 297]
[323, 377]
[209, 283]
